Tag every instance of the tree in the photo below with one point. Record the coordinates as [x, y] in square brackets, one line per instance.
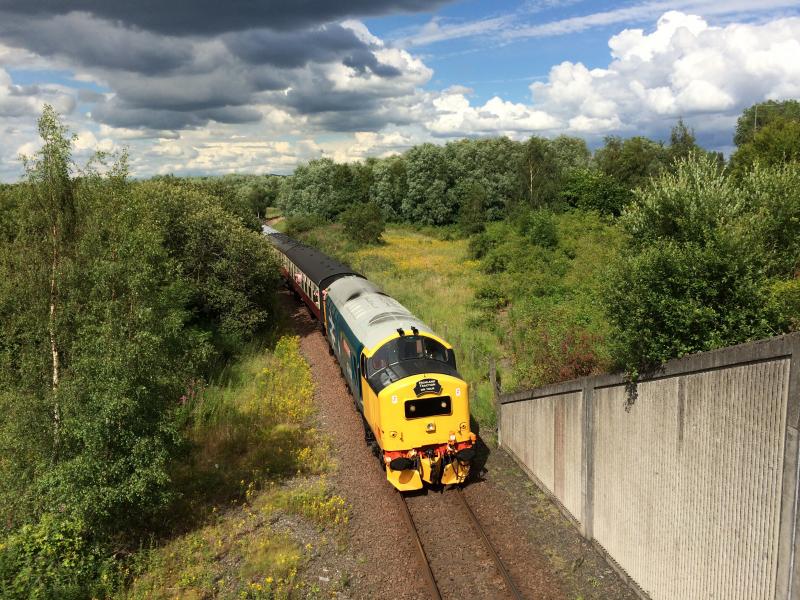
[50, 186]
[471, 197]
[755, 117]
[363, 223]
[591, 189]
[570, 154]
[389, 186]
[633, 161]
[774, 144]
[491, 163]
[427, 201]
[539, 175]
[703, 257]
[682, 142]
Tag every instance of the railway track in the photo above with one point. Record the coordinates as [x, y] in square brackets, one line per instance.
[432, 562]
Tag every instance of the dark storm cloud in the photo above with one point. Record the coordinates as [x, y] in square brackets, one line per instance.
[328, 43]
[363, 120]
[174, 65]
[204, 17]
[119, 114]
[94, 43]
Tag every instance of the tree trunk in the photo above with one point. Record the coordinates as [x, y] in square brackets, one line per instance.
[530, 185]
[53, 341]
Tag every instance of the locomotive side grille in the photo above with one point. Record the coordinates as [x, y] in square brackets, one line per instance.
[428, 407]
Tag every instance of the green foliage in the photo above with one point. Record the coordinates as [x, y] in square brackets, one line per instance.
[671, 299]
[682, 143]
[230, 271]
[699, 268]
[389, 186]
[591, 189]
[631, 162]
[538, 173]
[363, 223]
[471, 197]
[489, 163]
[325, 189]
[771, 224]
[427, 201]
[755, 117]
[774, 144]
[115, 297]
[297, 224]
[53, 559]
[539, 228]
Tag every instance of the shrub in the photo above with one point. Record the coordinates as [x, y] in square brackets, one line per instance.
[479, 246]
[297, 224]
[672, 299]
[491, 296]
[363, 223]
[539, 228]
[53, 559]
[695, 273]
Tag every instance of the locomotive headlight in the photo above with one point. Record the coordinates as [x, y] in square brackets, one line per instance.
[430, 427]
[452, 437]
[463, 426]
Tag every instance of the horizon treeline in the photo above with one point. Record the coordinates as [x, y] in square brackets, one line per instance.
[472, 181]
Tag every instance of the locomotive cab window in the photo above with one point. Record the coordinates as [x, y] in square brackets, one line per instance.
[409, 347]
[407, 356]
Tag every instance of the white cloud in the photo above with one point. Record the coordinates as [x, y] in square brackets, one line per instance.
[455, 116]
[684, 67]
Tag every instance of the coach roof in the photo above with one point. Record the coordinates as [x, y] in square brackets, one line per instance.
[318, 266]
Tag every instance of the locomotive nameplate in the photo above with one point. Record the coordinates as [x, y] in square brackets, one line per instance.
[427, 386]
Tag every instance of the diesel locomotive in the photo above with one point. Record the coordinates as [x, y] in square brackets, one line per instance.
[402, 376]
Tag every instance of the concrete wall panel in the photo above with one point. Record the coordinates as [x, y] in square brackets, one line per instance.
[691, 486]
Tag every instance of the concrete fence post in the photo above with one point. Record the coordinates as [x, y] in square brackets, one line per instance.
[587, 463]
[788, 576]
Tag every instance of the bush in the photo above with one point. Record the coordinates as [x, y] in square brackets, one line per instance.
[363, 223]
[594, 190]
[297, 224]
[539, 228]
[671, 299]
[52, 559]
[701, 262]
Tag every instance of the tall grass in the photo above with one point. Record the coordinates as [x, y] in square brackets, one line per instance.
[251, 435]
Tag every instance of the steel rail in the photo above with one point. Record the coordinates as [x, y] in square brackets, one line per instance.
[429, 578]
[510, 585]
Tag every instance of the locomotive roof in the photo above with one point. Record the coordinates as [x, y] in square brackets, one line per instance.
[372, 315]
[318, 266]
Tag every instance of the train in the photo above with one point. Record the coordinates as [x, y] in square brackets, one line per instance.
[402, 375]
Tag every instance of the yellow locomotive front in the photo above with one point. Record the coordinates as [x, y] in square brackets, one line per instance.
[417, 406]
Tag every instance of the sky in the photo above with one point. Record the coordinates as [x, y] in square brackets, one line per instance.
[205, 87]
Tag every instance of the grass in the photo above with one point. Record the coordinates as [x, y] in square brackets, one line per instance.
[255, 460]
[433, 279]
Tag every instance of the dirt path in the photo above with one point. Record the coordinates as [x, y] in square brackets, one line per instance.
[547, 558]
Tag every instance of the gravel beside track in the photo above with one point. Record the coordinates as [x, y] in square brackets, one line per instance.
[381, 557]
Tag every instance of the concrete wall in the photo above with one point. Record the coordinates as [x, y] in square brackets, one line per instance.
[690, 485]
